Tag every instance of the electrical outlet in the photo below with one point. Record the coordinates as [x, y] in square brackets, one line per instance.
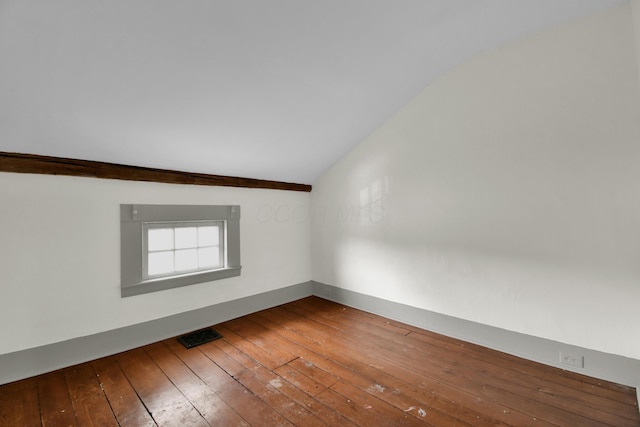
[577, 361]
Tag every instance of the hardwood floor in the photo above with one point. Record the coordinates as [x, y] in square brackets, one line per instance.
[316, 363]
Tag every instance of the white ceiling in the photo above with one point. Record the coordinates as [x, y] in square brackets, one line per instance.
[276, 89]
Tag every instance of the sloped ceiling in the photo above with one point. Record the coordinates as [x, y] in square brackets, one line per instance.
[277, 89]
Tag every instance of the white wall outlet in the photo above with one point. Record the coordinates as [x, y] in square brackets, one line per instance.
[575, 360]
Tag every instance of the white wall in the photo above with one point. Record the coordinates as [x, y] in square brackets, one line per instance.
[635, 10]
[60, 254]
[507, 193]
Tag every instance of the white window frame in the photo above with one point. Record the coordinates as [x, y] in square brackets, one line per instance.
[146, 226]
[135, 221]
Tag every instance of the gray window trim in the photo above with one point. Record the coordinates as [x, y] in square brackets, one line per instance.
[132, 219]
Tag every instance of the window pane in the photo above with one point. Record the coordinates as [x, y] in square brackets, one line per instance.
[160, 239]
[160, 263]
[186, 237]
[208, 236]
[209, 257]
[186, 260]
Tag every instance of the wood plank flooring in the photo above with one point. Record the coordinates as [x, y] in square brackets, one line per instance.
[316, 363]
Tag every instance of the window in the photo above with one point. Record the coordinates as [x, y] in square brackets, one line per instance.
[167, 246]
[182, 247]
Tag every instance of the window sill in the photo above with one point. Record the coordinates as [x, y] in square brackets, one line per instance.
[161, 284]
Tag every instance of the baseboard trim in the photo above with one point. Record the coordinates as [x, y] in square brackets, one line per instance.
[597, 364]
[35, 361]
[39, 360]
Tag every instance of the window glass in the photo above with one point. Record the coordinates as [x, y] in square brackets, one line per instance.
[208, 236]
[160, 263]
[183, 247]
[186, 260]
[209, 257]
[160, 239]
[186, 237]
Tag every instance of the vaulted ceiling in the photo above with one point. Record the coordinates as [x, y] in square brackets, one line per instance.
[277, 89]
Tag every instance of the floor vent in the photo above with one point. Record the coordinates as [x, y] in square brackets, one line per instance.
[199, 337]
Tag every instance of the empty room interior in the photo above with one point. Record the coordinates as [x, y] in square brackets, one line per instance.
[338, 213]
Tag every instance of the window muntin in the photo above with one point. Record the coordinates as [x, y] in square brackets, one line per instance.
[174, 248]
